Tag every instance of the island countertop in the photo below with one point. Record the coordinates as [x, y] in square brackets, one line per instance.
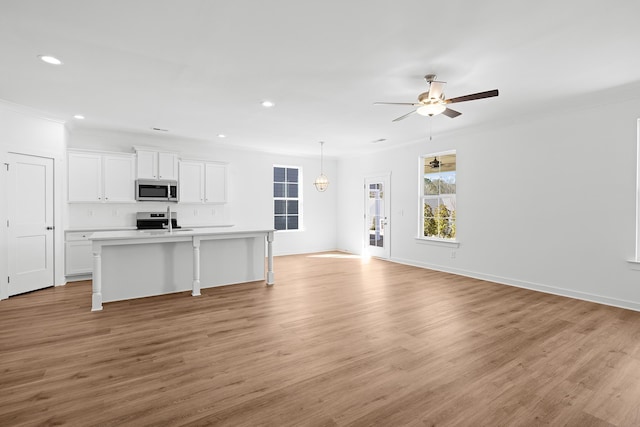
[175, 233]
[139, 263]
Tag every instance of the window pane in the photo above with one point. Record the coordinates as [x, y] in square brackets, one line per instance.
[448, 201]
[278, 174]
[292, 190]
[448, 183]
[292, 207]
[431, 184]
[430, 207]
[292, 175]
[278, 190]
[279, 207]
[292, 222]
[430, 225]
[280, 223]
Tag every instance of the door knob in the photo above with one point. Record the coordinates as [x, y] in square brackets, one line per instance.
[49, 228]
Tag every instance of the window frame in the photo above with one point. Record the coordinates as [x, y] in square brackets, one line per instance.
[299, 199]
[421, 238]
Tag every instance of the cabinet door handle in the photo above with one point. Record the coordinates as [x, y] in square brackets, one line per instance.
[49, 228]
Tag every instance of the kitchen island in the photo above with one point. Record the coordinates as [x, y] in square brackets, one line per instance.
[139, 263]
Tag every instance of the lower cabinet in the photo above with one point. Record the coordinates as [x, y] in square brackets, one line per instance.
[78, 254]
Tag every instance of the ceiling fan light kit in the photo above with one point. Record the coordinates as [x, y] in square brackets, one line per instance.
[322, 182]
[433, 102]
[431, 109]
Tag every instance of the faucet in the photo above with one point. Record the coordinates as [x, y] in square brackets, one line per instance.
[169, 225]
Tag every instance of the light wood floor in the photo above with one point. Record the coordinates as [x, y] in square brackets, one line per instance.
[334, 342]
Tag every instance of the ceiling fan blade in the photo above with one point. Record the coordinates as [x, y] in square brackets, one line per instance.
[404, 117]
[479, 95]
[435, 89]
[451, 113]
[395, 103]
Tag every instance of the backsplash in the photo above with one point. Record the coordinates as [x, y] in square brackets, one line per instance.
[88, 215]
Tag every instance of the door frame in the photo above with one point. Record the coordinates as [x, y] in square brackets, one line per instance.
[386, 178]
[4, 182]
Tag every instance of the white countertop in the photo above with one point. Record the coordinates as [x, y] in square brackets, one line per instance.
[176, 234]
[133, 227]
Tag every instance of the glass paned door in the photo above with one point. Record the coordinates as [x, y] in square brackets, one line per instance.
[377, 224]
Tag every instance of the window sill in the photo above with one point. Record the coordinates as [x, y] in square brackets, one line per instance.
[440, 242]
[634, 264]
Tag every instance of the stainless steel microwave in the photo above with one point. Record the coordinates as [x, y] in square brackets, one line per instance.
[151, 190]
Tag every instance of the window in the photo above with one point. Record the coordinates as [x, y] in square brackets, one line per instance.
[438, 196]
[287, 198]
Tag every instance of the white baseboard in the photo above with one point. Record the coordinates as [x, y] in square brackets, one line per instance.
[600, 299]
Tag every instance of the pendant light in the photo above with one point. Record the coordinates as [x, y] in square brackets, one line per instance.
[321, 182]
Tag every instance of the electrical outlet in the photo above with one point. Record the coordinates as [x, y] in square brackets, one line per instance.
[89, 212]
[453, 254]
[195, 212]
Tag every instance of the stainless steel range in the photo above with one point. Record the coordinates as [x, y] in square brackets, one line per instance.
[156, 220]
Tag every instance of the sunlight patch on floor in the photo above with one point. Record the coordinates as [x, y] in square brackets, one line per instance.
[364, 258]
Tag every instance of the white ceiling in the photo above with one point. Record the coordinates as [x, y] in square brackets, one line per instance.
[202, 67]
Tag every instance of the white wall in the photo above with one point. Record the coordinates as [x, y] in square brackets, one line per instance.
[250, 191]
[546, 202]
[23, 131]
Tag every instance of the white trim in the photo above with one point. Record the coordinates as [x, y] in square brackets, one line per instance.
[31, 112]
[614, 302]
[421, 196]
[437, 242]
[386, 176]
[300, 198]
[637, 254]
[634, 264]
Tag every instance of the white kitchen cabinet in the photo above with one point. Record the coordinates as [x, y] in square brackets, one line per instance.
[118, 178]
[78, 253]
[167, 166]
[203, 182]
[100, 177]
[191, 182]
[84, 177]
[147, 163]
[215, 183]
[156, 164]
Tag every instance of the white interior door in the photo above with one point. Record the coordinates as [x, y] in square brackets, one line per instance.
[30, 227]
[377, 219]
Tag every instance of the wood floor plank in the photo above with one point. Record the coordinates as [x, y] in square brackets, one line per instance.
[338, 341]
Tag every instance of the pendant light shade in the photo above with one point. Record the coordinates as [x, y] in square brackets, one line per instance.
[321, 182]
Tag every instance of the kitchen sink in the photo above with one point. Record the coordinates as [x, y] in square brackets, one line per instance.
[161, 232]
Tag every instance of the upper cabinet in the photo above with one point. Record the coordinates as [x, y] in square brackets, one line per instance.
[215, 183]
[100, 177]
[191, 182]
[156, 164]
[203, 182]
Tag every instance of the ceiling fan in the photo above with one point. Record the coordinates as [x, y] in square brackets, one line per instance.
[433, 102]
[435, 163]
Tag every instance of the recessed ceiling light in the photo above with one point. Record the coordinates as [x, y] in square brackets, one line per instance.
[160, 129]
[79, 117]
[50, 59]
[378, 140]
[221, 135]
[268, 104]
